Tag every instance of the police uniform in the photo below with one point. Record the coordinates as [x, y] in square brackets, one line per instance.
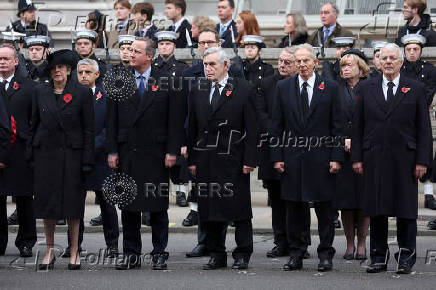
[37, 73]
[333, 70]
[256, 71]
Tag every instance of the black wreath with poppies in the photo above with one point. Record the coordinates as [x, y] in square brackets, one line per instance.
[119, 83]
[119, 189]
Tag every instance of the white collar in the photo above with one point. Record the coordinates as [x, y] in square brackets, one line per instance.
[93, 89]
[8, 79]
[178, 23]
[310, 81]
[396, 81]
[222, 83]
[226, 24]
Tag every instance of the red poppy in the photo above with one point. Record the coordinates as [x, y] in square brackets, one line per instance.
[98, 96]
[228, 93]
[67, 98]
[16, 86]
[405, 90]
[154, 88]
[14, 130]
[321, 86]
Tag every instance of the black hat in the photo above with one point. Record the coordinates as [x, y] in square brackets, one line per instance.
[63, 56]
[24, 5]
[356, 52]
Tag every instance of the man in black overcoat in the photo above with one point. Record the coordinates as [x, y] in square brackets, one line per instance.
[16, 176]
[144, 136]
[392, 148]
[222, 142]
[306, 150]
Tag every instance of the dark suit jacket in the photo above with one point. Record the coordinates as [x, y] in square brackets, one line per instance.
[307, 147]
[390, 139]
[227, 36]
[181, 42]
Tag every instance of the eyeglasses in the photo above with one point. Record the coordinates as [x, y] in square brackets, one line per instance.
[286, 61]
[203, 43]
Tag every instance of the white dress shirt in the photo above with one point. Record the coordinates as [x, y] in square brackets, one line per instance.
[8, 81]
[396, 82]
[222, 84]
[310, 84]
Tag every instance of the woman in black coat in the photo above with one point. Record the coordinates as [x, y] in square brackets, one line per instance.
[295, 29]
[62, 150]
[348, 183]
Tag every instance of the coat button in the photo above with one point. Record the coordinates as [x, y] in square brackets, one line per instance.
[134, 150]
[205, 132]
[260, 77]
[260, 68]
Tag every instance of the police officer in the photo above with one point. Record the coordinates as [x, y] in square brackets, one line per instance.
[254, 68]
[166, 61]
[17, 40]
[332, 70]
[377, 46]
[37, 47]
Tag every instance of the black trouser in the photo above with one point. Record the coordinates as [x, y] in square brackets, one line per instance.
[216, 239]
[278, 211]
[406, 236]
[297, 223]
[26, 223]
[109, 218]
[132, 243]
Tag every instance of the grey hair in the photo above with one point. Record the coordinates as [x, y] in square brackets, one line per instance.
[223, 57]
[88, 61]
[150, 47]
[290, 49]
[299, 23]
[307, 47]
[393, 47]
[335, 8]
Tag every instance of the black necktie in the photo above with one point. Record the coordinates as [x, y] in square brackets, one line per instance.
[304, 102]
[3, 86]
[390, 94]
[216, 96]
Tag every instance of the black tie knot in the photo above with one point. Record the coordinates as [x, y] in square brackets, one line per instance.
[391, 85]
[305, 84]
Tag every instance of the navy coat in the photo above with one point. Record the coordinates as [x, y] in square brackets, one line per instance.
[227, 35]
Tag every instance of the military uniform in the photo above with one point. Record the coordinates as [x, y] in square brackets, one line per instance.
[424, 72]
[255, 72]
[172, 66]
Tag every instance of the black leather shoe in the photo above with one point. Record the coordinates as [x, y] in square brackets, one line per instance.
[240, 264]
[429, 202]
[337, 224]
[432, 225]
[325, 265]
[277, 252]
[97, 221]
[377, 268]
[181, 199]
[404, 268]
[198, 251]
[146, 219]
[61, 222]
[214, 264]
[25, 252]
[160, 261]
[47, 267]
[191, 219]
[111, 252]
[127, 265]
[294, 263]
[13, 218]
[73, 266]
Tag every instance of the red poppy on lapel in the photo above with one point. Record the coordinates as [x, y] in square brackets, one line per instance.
[67, 98]
[154, 88]
[321, 86]
[228, 93]
[14, 130]
[98, 96]
[16, 86]
[405, 90]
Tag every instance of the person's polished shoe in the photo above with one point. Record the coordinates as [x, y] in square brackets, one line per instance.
[432, 225]
[294, 263]
[13, 218]
[47, 267]
[146, 221]
[404, 268]
[429, 202]
[337, 224]
[181, 199]
[325, 265]
[127, 265]
[61, 222]
[349, 256]
[112, 252]
[240, 264]
[191, 219]
[159, 261]
[277, 252]
[25, 252]
[97, 221]
[214, 264]
[198, 251]
[73, 266]
[377, 268]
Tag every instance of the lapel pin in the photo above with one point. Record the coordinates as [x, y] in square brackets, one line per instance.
[321, 86]
[98, 96]
[405, 90]
[67, 98]
[16, 86]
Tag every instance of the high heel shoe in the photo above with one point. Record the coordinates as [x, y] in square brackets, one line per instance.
[47, 267]
[73, 266]
[349, 256]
